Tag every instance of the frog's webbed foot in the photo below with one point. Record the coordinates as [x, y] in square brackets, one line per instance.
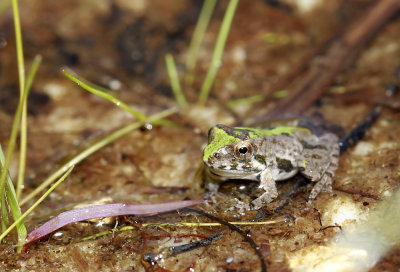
[239, 207]
[267, 183]
[211, 187]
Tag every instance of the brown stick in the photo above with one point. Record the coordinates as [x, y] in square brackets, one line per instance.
[341, 53]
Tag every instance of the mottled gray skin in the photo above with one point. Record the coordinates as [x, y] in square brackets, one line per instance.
[274, 158]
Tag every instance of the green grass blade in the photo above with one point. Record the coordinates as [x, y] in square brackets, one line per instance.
[23, 136]
[13, 203]
[8, 189]
[198, 35]
[245, 100]
[281, 94]
[31, 208]
[88, 87]
[95, 147]
[4, 213]
[174, 80]
[20, 51]
[218, 50]
[24, 128]
[11, 142]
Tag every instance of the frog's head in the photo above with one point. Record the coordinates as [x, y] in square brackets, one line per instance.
[231, 153]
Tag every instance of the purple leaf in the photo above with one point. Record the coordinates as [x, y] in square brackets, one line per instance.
[104, 210]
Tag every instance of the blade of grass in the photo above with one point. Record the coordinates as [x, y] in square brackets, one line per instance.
[5, 220]
[13, 202]
[90, 84]
[245, 100]
[81, 82]
[24, 128]
[9, 189]
[18, 43]
[198, 35]
[281, 94]
[95, 147]
[11, 142]
[31, 208]
[218, 50]
[174, 80]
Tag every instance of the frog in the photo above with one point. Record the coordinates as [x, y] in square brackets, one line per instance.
[271, 155]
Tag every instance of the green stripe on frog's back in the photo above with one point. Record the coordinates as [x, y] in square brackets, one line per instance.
[256, 133]
[224, 135]
[221, 139]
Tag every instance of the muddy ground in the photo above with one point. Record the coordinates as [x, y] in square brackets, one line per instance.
[120, 45]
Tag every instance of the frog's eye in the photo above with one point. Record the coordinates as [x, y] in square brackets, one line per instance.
[243, 151]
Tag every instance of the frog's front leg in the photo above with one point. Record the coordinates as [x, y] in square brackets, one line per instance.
[268, 184]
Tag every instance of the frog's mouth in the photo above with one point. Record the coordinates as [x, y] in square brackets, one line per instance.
[225, 174]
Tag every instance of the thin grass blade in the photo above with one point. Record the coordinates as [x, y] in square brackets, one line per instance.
[218, 50]
[14, 206]
[18, 43]
[174, 80]
[198, 35]
[5, 220]
[24, 128]
[243, 101]
[11, 142]
[23, 96]
[88, 87]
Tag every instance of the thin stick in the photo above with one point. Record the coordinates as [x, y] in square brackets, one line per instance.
[340, 54]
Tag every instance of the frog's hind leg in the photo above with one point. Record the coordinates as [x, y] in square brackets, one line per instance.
[320, 158]
[325, 183]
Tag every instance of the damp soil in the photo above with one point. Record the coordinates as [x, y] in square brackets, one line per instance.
[120, 45]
